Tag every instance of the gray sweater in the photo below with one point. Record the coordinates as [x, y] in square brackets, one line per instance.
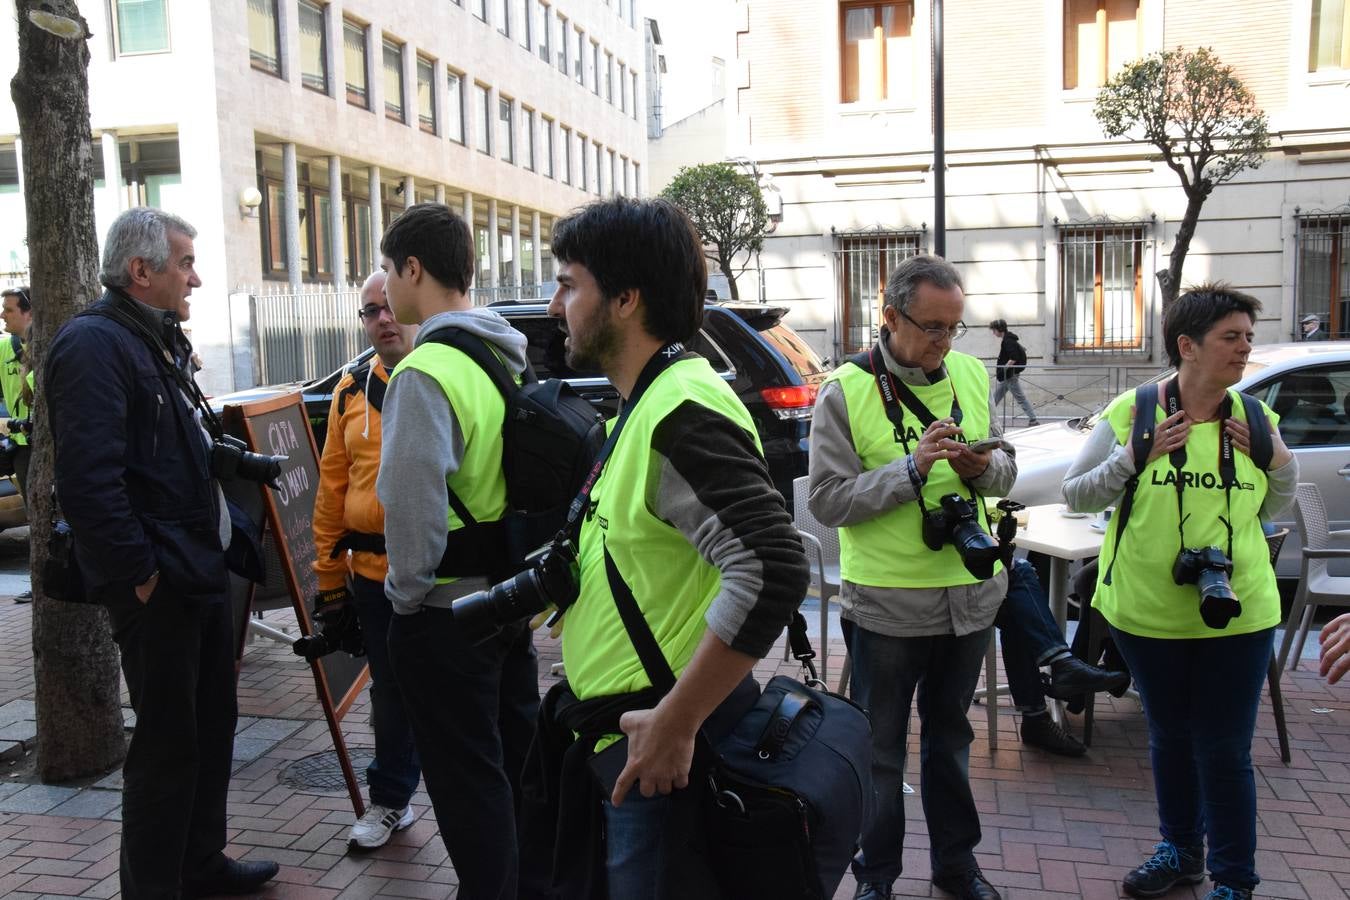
[422, 445]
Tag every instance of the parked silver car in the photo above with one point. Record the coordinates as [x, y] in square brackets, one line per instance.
[1307, 384]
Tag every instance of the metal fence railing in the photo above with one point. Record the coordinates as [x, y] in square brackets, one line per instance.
[1069, 391]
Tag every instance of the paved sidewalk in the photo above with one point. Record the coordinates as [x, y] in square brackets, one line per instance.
[1053, 828]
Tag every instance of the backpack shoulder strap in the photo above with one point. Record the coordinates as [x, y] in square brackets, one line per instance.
[478, 351]
[16, 344]
[1141, 444]
[1262, 446]
[358, 384]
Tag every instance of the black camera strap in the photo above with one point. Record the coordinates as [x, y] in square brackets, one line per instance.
[1171, 392]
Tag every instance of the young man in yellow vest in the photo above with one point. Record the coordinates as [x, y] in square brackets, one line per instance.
[888, 473]
[351, 565]
[472, 706]
[685, 509]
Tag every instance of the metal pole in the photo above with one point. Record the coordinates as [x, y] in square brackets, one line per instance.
[939, 140]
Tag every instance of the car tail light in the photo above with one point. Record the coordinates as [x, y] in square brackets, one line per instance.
[796, 401]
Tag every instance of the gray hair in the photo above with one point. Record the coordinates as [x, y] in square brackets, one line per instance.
[140, 231]
[902, 288]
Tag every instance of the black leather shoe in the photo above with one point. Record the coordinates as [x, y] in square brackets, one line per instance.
[970, 885]
[1071, 677]
[873, 890]
[236, 876]
[1042, 731]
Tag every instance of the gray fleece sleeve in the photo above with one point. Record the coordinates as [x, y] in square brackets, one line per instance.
[421, 446]
[713, 485]
[1281, 485]
[1097, 477]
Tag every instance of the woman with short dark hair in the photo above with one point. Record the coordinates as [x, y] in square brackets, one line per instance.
[1197, 639]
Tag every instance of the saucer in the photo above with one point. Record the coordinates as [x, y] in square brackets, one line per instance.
[1070, 514]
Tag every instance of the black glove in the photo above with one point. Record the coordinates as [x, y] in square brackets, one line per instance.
[336, 627]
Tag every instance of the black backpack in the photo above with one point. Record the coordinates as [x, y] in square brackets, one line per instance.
[550, 438]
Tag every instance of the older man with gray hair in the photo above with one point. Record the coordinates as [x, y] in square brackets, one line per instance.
[903, 450]
[134, 478]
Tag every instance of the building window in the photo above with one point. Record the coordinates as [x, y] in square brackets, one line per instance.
[634, 75]
[143, 27]
[426, 95]
[523, 29]
[627, 178]
[579, 39]
[1329, 44]
[613, 170]
[1101, 288]
[313, 47]
[393, 80]
[584, 179]
[360, 258]
[599, 170]
[315, 262]
[506, 129]
[454, 106]
[504, 17]
[861, 263]
[876, 51]
[595, 68]
[480, 9]
[527, 137]
[623, 88]
[354, 53]
[609, 77]
[1100, 37]
[263, 37]
[1324, 271]
[483, 140]
[563, 32]
[547, 126]
[567, 154]
[637, 180]
[544, 32]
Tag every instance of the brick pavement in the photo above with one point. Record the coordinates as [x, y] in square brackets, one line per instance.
[1053, 828]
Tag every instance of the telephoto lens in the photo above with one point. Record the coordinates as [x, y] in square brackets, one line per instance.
[1208, 569]
[959, 524]
[550, 579]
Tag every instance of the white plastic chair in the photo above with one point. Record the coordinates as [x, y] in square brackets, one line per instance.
[1316, 586]
[822, 551]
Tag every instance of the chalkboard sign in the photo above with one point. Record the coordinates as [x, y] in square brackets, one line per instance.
[280, 427]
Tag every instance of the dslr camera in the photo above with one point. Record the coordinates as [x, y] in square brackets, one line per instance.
[9, 451]
[342, 632]
[21, 426]
[548, 579]
[1208, 569]
[957, 521]
[231, 458]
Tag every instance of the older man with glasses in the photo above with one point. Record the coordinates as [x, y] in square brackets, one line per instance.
[903, 451]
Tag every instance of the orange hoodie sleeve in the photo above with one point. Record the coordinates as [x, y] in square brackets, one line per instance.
[331, 500]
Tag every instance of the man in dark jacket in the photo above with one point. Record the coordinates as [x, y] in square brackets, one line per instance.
[133, 475]
[1012, 359]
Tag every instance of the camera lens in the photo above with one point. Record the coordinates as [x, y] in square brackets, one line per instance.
[978, 550]
[1218, 604]
[548, 581]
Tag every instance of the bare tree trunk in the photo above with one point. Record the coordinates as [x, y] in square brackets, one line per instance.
[75, 662]
[725, 265]
[1169, 279]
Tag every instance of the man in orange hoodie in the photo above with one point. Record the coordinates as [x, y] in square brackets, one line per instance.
[349, 539]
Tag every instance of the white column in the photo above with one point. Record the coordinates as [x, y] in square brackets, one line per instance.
[515, 245]
[376, 214]
[440, 193]
[112, 171]
[337, 258]
[468, 213]
[537, 243]
[291, 201]
[409, 191]
[494, 246]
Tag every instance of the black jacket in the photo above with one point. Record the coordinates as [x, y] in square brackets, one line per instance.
[1012, 357]
[132, 466]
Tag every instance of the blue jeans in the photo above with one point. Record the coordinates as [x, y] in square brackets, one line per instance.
[1030, 636]
[394, 773]
[886, 673]
[632, 841]
[1200, 698]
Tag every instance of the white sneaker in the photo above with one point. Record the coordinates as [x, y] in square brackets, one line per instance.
[378, 825]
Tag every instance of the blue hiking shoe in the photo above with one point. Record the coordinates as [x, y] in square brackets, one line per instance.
[1224, 892]
[1168, 867]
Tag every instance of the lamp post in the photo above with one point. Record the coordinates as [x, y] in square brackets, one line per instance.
[939, 140]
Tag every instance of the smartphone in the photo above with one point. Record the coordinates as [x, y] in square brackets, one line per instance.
[990, 444]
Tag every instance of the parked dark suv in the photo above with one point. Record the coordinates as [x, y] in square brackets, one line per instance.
[774, 372]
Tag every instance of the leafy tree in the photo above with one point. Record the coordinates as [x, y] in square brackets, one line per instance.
[727, 208]
[1203, 120]
[75, 662]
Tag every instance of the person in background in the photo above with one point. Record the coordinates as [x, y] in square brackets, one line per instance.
[351, 563]
[16, 380]
[1312, 329]
[1012, 359]
[1199, 661]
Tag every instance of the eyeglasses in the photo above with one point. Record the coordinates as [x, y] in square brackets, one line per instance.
[936, 335]
[372, 312]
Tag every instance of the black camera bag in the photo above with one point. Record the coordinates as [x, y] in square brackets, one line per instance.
[550, 439]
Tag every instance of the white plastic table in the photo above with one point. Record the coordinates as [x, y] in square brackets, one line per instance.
[1064, 540]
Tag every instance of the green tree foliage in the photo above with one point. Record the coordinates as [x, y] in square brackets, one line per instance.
[728, 210]
[1203, 120]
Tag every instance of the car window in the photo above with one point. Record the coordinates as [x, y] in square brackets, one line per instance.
[545, 349]
[705, 347]
[799, 354]
[1311, 404]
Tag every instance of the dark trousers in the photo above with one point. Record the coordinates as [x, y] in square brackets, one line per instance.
[472, 709]
[1200, 699]
[943, 669]
[1030, 636]
[394, 772]
[178, 660]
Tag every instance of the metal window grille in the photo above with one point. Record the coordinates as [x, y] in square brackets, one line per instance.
[862, 262]
[1322, 281]
[1103, 306]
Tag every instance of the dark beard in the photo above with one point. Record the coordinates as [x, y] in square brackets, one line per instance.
[591, 357]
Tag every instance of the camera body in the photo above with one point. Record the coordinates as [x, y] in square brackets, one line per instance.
[231, 458]
[22, 426]
[550, 578]
[341, 632]
[9, 452]
[957, 521]
[1209, 569]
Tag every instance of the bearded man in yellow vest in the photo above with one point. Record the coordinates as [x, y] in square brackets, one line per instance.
[471, 706]
[892, 467]
[700, 545]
